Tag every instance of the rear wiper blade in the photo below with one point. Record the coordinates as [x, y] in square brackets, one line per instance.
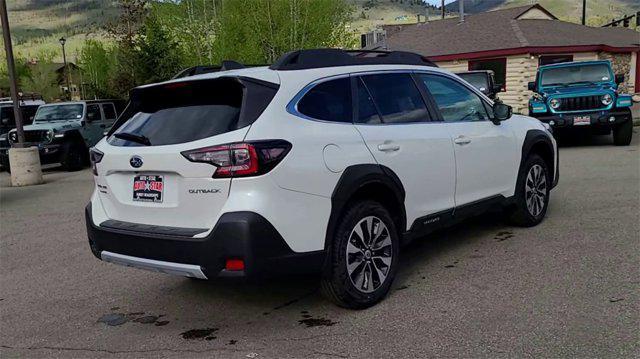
[133, 137]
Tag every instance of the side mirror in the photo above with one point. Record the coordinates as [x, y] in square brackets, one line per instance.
[497, 88]
[619, 79]
[501, 112]
[531, 86]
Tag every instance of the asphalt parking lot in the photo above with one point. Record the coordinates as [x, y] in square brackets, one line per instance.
[568, 287]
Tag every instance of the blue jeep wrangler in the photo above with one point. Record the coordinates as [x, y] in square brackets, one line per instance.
[582, 95]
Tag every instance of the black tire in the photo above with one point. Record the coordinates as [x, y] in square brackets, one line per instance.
[337, 285]
[6, 166]
[622, 133]
[73, 156]
[521, 213]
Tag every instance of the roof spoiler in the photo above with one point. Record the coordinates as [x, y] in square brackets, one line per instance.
[205, 69]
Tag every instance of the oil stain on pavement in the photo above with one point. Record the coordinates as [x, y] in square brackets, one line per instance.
[116, 319]
[199, 334]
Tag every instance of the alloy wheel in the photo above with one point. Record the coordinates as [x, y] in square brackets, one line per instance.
[369, 254]
[535, 190]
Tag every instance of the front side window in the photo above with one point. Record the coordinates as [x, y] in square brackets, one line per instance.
[456, 102]
[59, 113]
[397, 98]
[328, 101]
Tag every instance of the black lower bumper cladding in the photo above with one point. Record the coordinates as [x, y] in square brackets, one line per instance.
[237, 235]
[598, 119]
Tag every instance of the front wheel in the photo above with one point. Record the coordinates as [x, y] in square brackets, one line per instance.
[622, 133]
[364, 257]
[73, 156]
[532, 193]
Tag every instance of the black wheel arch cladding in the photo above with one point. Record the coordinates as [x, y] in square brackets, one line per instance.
[538, 141]
[356, 180]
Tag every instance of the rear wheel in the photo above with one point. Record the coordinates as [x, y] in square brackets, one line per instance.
[622, 133]
[364, 257]
[73, 156]
[532, 193]
[6, 166]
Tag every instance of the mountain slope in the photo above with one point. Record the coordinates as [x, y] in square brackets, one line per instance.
[36, 25]
[598, 11]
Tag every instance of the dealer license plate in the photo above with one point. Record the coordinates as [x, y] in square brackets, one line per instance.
[148, 188]
[581, 120]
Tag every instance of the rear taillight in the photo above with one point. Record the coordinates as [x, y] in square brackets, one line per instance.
[241, 159]
[95, 157]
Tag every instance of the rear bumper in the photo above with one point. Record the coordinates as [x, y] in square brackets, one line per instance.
[598, 118]
[237, 235]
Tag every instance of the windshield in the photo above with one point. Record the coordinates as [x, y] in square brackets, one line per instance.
[59, 113]
[478, 80]
[575, 74]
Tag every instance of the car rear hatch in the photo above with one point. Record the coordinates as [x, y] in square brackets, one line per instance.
[144, 178]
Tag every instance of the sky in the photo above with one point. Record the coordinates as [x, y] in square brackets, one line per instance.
[437, 2]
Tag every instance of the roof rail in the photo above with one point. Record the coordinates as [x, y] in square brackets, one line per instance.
[318, 58]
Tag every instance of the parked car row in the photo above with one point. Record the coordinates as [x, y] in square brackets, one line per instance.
[64, 131]
[573, 97]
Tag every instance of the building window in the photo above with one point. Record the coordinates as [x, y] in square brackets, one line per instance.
[498, 66]
[554, 59]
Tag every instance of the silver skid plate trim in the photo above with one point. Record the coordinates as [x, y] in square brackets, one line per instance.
[185, 270]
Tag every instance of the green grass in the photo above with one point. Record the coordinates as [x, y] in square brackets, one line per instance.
[36, 25]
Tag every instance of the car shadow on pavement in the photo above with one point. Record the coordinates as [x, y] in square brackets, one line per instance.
[584, 139]
[269, 296]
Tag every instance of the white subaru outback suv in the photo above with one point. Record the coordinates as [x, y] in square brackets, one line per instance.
[324, 162]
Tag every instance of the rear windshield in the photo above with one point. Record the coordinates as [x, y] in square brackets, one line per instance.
[477, 79]
[189, 111]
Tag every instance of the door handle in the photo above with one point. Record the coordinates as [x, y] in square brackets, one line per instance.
[388, 147]
[462, 140]
[103, 126]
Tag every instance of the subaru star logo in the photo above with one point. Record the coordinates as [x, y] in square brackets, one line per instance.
[136, 161]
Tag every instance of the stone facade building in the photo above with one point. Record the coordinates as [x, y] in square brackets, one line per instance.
[513, 43]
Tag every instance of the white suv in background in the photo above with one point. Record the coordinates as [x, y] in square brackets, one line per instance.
[325, 162]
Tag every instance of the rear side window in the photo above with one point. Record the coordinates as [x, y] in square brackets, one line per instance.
[397, 98]
[93, 113]
[109, 111]
[328, 101]
[189, 111]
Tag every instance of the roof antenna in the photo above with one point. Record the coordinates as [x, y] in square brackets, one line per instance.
[461, 3]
